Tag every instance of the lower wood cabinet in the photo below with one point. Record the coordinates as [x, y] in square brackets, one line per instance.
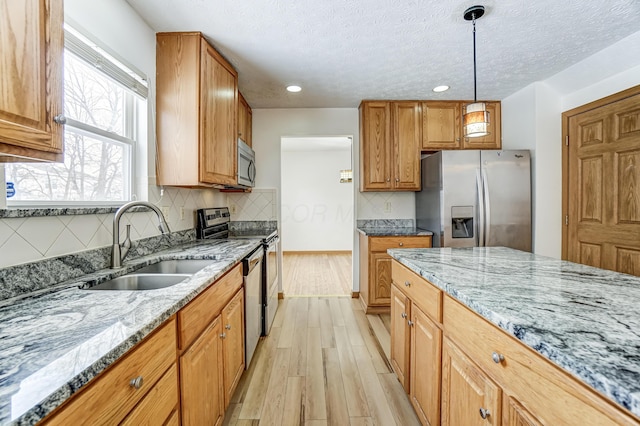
[460, 369]
[375, 268]
[160, 404]
[233, 344]
[201, 373]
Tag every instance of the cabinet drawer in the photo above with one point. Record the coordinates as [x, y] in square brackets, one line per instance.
[554, 396]
[198, 314]
[159, 404]
[421, 292]
[111, 397]
[384, 243]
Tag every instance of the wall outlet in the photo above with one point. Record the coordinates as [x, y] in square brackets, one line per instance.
[232, 208]
[387, 207]
[165, 211]
[181, 213]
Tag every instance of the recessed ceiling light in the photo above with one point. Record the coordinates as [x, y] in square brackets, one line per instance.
[440, 88]
[294, 89]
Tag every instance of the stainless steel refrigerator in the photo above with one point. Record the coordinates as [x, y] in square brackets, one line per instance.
[476, 198]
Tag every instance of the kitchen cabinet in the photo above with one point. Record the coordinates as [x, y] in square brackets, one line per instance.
[211, 330]
[391, 134]
[31, 79]
[442, 127]
[486, 376]
[400, 336]
[197, 107]
[245, 120]
[375, 268]
[147, 373]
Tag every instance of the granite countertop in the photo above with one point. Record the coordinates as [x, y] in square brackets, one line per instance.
[55, 341]
[585, 320]
[389, 231]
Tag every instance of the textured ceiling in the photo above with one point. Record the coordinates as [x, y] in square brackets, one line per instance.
[341, 52]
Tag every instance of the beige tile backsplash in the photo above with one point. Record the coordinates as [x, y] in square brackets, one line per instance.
[259, 204]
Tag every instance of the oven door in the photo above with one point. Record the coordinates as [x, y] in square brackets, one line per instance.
[270, 285]
[246, 165]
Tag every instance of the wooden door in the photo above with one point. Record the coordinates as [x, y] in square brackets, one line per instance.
[407, 139]
[425, 367]
[441, 125]
[494, 139]
[31, 49]
[514, 414]
[400, 336]
[603, 199]
[375, 146]
[244, 120]
[233, 344]
[201, 382]
[380, 281]
[218, 109]
[469, 397]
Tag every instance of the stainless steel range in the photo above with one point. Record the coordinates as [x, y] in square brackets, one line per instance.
[214, 223]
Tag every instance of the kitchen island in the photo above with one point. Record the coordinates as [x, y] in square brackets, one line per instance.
[55, 341]
[584, 320]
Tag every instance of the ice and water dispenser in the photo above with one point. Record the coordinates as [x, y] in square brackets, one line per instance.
[461, 221]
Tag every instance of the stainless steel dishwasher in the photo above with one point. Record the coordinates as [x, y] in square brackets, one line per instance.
[252, 271]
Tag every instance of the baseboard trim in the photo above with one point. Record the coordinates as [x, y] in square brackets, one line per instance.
[355, 294]
[280, 295]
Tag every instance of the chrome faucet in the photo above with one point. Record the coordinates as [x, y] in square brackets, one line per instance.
[118, 253]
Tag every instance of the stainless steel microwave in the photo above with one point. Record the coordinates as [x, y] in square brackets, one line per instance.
[246, 165]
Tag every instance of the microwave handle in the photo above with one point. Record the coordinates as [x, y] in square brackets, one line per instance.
[252, 171]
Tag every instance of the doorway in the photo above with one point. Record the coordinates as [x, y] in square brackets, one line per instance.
[601, 183]
[317, 208]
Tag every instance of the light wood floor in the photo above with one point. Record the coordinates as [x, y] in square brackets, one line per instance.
[316, 274]
[322, 365]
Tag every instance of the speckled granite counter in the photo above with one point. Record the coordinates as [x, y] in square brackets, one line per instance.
[55, 341]
[585, 320]
[385, 231]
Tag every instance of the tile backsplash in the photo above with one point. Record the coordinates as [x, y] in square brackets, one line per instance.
[28, 239]
[258, 205]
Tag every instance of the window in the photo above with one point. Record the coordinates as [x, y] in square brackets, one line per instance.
[103, 103]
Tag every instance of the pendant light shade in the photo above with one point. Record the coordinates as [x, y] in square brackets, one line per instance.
[475, 118]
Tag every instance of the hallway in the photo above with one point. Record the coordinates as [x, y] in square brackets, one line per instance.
[316, 274]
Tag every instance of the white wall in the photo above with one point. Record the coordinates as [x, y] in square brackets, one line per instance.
[317, 210]
[532, 119]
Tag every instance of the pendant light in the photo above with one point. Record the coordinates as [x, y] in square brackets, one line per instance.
[475, 119]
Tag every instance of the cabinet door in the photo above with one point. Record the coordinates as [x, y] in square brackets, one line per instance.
[407, 138]
[31, 48]
[516, 415]
[494, 139]
[233, 344]
[244, 120]
[201, 379]
[441, 125]
[159, 405]
[375, 146]
[425, 367]
[469, 397]
[218, 129]
[380, 288]
[400, 336]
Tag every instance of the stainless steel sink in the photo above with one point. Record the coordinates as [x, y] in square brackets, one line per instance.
[181, 266]
[141, 282]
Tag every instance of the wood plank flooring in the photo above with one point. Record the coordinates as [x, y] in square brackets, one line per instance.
[316, 274]
[322, 364]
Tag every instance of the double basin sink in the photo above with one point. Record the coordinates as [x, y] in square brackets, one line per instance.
[158, 275]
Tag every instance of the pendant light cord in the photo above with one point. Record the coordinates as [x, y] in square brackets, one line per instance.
[475, 94]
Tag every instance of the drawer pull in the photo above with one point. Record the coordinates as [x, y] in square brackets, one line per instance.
[136, 383]
[484, 413]
[401, 244]
[223, 335]
[407, 283]
[497, 358]
[410, 323]
[228, 326]
[403, 315]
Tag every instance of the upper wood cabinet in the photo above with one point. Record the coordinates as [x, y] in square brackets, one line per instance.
[390, 138]
[245, 117]
[31, 49]
[442, 127]
[197, 103]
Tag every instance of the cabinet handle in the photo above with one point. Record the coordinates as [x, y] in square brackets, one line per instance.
[484, 413]
[400, 244]
[223, 335]
[136, 383]
[407, 283]
[497, 358]
[397, 179]
[228, 326]
[403, 315]
[60, 119]
[388, 180]
[410, 323]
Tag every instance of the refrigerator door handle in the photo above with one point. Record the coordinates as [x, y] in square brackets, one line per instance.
[487, 207]
[480, 225]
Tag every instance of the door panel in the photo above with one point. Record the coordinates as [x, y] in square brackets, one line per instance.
[400, 336]
[375, 167]
[407, 140]
[603, 196]
[381, 289]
